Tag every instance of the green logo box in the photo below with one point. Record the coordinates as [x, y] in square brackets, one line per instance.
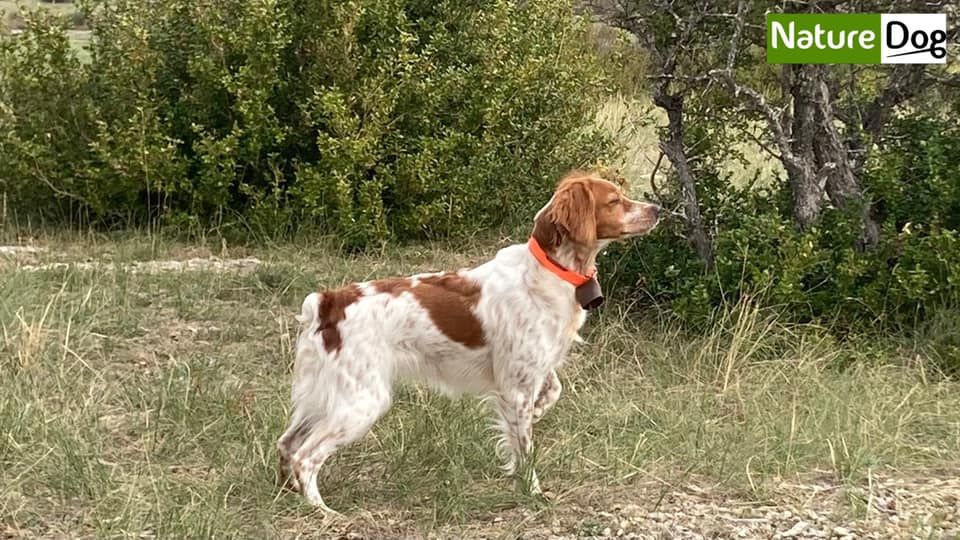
[808, 38]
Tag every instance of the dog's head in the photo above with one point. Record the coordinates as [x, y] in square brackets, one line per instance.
[587, 210]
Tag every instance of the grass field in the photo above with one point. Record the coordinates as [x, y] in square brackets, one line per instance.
[145, 382]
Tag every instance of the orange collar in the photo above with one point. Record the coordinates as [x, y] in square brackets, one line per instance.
[574, 278]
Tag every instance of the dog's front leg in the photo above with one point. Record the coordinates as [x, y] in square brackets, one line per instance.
[515, 411]
[548, 396]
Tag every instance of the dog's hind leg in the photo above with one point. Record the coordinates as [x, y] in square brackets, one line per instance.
[306, 462]
[348, 422]
[291, 440]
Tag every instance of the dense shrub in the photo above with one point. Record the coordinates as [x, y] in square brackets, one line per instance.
[44, 112]
[371, 118]
[818, 275]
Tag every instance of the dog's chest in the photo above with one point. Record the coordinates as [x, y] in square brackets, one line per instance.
[578, 316]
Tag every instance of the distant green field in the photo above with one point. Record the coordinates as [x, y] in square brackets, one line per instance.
[13, 20]
[79, 37]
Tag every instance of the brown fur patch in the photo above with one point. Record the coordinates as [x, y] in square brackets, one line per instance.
[333, 309]
[288, 445]
[449, 300]
[584, 208]
[392, 286]
[611, 208]
[546, 233]
[286, 477]
[574, 210]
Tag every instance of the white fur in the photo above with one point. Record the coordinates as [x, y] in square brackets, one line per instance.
[529, 319]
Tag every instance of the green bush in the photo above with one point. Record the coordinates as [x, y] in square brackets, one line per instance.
[817, 275]
[370, 119]
[45, 115]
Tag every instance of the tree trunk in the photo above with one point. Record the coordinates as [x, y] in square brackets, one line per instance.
[672, 147]
[835, 162]
[802, 171]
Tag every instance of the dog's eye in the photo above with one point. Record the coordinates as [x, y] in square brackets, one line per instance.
[615, 201]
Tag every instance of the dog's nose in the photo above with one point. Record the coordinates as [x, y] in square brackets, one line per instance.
[656, 210]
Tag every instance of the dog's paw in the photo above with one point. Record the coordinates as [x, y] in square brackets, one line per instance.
[316, 501]
[534, 484]
[285, 478]
[528, 483]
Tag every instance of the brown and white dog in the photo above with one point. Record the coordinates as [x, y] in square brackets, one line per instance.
[499, 330]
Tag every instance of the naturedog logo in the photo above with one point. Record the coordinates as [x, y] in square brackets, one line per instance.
[857, 38]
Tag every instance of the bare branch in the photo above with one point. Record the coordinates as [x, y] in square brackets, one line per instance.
[953, 81]
[763, 146]
[757, 100]
[653, 177]
[760, 104]
[826, 168]
[737, 32]
[689, 26]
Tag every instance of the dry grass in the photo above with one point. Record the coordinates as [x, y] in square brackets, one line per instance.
[633, 123]
[148, 403]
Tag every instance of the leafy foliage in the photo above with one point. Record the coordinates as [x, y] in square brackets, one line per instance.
[370, 118]
[43, 111]
[818, 274]
[859, 228]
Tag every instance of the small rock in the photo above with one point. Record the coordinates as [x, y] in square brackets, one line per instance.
[631, 509]
[794, 531]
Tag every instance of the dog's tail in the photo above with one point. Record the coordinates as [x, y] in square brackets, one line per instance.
[309, 311]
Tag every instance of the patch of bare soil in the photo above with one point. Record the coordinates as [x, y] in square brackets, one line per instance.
[214, 264]
[883, 507]
[20, 254]
[27, 258]
[16, 250]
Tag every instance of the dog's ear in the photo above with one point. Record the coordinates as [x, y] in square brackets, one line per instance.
[545, 231]
[573, 212]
